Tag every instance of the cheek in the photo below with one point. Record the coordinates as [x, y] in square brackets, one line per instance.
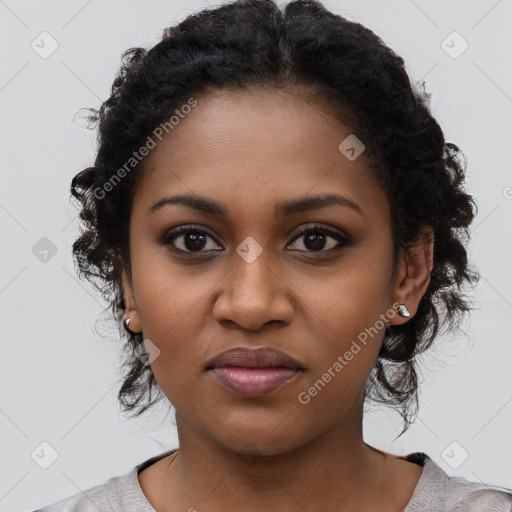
[171, 307]
[347, 317]
[351, 300]
[167, 293]
[172, 317]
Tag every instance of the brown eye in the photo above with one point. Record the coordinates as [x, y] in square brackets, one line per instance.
[189, 239]
[321, 239]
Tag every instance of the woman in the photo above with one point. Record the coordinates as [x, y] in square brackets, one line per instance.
[278, 222]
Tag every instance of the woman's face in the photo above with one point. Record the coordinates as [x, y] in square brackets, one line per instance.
[251, 277]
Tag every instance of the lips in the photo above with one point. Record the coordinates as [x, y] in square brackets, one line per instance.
[253, 372]
[265, 357]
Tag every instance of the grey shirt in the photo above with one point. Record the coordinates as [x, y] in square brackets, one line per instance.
[434, 492]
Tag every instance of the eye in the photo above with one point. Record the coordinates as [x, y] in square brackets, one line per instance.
[189, 239]
[316, 239]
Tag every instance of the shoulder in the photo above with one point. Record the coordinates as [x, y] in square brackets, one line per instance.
[93, 499]
[439, 492]
[462, 494]
[118, 494]
[105, 497]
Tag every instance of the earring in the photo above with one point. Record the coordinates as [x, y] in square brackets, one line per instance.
[402, 311]
[126, 323]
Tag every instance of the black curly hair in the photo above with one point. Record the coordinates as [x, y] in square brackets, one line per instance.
[248, 43]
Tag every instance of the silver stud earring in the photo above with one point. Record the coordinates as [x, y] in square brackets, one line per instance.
[402, 311]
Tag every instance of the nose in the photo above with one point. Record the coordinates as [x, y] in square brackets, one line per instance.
[252, 296]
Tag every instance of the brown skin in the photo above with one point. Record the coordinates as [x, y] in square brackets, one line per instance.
[250, 151]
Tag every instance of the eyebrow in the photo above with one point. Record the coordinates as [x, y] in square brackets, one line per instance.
[284, 208]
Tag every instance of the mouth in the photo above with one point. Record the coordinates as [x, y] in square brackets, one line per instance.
[253, 372]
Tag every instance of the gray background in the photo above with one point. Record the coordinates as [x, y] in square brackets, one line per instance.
[60, 377]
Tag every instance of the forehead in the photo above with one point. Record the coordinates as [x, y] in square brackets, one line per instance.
[255, 148]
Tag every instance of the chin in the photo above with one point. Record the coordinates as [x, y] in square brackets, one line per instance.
[262, 444]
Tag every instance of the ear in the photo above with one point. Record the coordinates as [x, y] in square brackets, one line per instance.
[413, 274]
[130, 306]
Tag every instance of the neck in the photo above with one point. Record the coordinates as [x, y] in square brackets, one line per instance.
[336, 469]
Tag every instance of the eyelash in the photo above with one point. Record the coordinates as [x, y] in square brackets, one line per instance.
[343, 240]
